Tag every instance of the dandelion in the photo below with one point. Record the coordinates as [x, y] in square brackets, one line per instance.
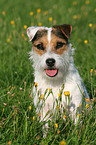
[87, 2]
[36, 84]
[41, 97]
[91, 70]
[56, 125]
[67, 93]
[8, 40]
[58, 94]
[74, 16]
[62, 142]
[87, 106]
[46, 12]
[57, 106]
[78, 115]
[9, 142]
[31, 13]
[58, 132]
[30, 107]
[10, 36]
[85, 41]
[40, 24]
[22, 35]
[39, 114]
[3, 13]
[50, 19]
[25, 26]
[88, 100]
[33, 118]
[64, 117]
[29, 96]
[38, 10]
[74, 3]
[90, 25]
[11, 88]
[80, 105]
[95, 10]
[12, 22]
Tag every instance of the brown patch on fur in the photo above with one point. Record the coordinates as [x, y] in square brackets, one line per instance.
[53, 44]
[42, 40]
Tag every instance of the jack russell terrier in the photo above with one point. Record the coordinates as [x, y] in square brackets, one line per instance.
[54, 67]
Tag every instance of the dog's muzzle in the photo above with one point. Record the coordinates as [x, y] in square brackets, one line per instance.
[51, 71]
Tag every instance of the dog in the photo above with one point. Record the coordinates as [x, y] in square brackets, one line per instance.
[54, 67]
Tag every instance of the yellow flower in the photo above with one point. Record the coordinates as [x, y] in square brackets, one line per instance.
[50, 19]
[29, 96]
[74, 3]
[8, 40]
[95, 10]
[78, 115]
[30, 107]
[22, 35]
[91, 70]
[41, 97]
[64, 116]
[3, 13]
[87, 106]
[36, 84]
[12, 22]
[40, 24]
[57, 106]
[58, 132]
[85, 41]
[31, 13]
[38, 10]
[90, 25]
[63, 143]
[10, 36]
[25, 26]
[67, 93]
[88, 100]
[9, 142]
[74, 16]
[46, 12]
[33, 118]
[56, 125]
[58, 94]
[80, 105]
[39, 114]
[87, 2]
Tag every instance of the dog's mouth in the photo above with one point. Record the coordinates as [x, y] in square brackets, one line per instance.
[51, 72]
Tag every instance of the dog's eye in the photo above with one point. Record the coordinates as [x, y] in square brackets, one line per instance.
[59, 45]
[40, 46]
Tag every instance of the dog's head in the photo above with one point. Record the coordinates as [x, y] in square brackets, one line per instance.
[51, 50]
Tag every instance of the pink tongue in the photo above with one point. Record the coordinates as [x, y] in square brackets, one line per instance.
[51, 73]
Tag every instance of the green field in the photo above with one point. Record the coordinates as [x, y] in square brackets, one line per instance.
[18, 121]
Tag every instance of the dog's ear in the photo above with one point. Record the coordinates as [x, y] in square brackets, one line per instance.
[31, 31]
[66, 29]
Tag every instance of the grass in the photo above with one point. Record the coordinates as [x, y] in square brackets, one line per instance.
[18, 122]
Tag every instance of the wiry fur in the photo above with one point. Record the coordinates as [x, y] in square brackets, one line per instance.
[68, 75]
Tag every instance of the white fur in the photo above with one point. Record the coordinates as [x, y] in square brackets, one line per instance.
[68, 75]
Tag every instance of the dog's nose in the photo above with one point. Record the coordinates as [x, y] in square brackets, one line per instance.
[50, 62]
